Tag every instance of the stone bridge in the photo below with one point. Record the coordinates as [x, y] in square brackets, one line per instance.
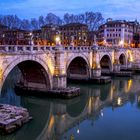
[47, 67]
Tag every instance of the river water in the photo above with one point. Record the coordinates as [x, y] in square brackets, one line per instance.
[102, 112]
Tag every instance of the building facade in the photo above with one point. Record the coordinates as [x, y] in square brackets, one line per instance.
[37, 37]
[17, 37]
[117, 33]
[49, 33]
[2, 33]
[74, 34]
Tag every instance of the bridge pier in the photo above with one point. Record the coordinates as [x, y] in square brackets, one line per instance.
[116, 67]
[129, 65]
[95, 72]
[59, 82]
[59, 77]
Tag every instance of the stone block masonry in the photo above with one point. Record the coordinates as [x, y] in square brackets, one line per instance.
[12, 118]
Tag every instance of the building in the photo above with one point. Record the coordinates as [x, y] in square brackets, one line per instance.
[3, 28]
[74, 34]
[17, 37]
[49, 33]
[37, 37]
[118, 33]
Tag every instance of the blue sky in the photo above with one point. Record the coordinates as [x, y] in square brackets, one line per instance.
[116, 9]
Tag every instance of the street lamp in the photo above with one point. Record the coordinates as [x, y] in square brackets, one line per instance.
[3, 39]
[72, 41]
[58, 40]
[121, 43]
[31, 37]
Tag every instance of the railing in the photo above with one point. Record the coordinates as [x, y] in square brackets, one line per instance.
[38, 48]
[32, 48]
[24, 48]
[78, 48]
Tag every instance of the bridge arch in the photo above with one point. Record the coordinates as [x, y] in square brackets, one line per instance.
[78, 66]
[122, 59]
[106, 63]
[34, 61]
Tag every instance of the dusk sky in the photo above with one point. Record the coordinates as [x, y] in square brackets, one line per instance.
[116, 9]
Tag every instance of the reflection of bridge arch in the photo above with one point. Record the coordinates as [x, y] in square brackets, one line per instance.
[26, 64]
[122, 59]
[78, 67]
[104, 93]
[39, 121]
[106, 63]
[76, 108]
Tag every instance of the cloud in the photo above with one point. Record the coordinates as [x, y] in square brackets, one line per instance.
[118, 9]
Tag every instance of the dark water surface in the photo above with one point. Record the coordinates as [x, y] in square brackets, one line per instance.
[102, 112]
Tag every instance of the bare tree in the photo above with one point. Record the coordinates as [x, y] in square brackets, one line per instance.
[93, 20]
[41, 21]
[53, 19]
[34, 23]
[25, 24]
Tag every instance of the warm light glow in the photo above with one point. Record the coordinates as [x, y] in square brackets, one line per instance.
[129, 85]
[51, 123]
[31, 34]
[1, 74]
[90, 105]
[121, 43]
[50, 64]
[58, 40]
[130, 57]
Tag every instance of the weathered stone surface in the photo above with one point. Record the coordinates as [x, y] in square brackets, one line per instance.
[12, 117]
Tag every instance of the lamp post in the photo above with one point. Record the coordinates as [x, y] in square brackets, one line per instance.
[72, 41]
[58, 40]
[121, 43]
[3, 39]
[105, 43]
[31, 39]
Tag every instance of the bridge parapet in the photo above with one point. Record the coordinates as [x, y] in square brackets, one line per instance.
[25, 49]
[78, 48]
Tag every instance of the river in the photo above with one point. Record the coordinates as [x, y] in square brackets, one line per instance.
[110, 111]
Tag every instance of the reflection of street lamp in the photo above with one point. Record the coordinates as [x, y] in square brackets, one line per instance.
[102, 114]
[119, 101]
[78, 130]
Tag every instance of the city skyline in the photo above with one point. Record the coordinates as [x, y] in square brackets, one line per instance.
[116, 9]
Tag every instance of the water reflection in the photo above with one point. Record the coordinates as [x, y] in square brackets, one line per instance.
[99, 109]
